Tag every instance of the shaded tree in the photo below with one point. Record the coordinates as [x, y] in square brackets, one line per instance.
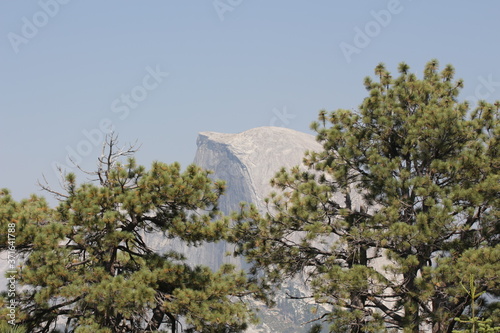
[88, 267]
[400, 205]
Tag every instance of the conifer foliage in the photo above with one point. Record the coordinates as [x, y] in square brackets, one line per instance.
[88, 267]
[400, 206]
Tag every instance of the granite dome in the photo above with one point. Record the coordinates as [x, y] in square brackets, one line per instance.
[255, 155]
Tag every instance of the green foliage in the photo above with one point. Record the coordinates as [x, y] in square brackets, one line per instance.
[478, 325]
[88, 265]
[7, 328]
[475, 322]
[401, 203]
[315, 329]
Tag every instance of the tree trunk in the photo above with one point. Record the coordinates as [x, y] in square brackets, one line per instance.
[173, 321]
[358, 298]
[411, 321]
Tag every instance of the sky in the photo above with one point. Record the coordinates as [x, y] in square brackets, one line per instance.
[159, 72]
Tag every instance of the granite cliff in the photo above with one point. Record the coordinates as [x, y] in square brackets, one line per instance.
[247, 161]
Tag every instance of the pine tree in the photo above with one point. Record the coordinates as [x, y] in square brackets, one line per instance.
[400, 205]
[88, 267]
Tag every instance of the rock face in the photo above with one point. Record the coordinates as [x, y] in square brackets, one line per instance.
[247, 161]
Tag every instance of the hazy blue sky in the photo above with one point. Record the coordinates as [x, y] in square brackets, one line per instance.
[71, 69]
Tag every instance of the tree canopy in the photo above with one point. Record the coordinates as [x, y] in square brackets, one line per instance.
[88, 268]
[393, 226]
[399, 207]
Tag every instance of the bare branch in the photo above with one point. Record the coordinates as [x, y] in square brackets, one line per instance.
[46, 187]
